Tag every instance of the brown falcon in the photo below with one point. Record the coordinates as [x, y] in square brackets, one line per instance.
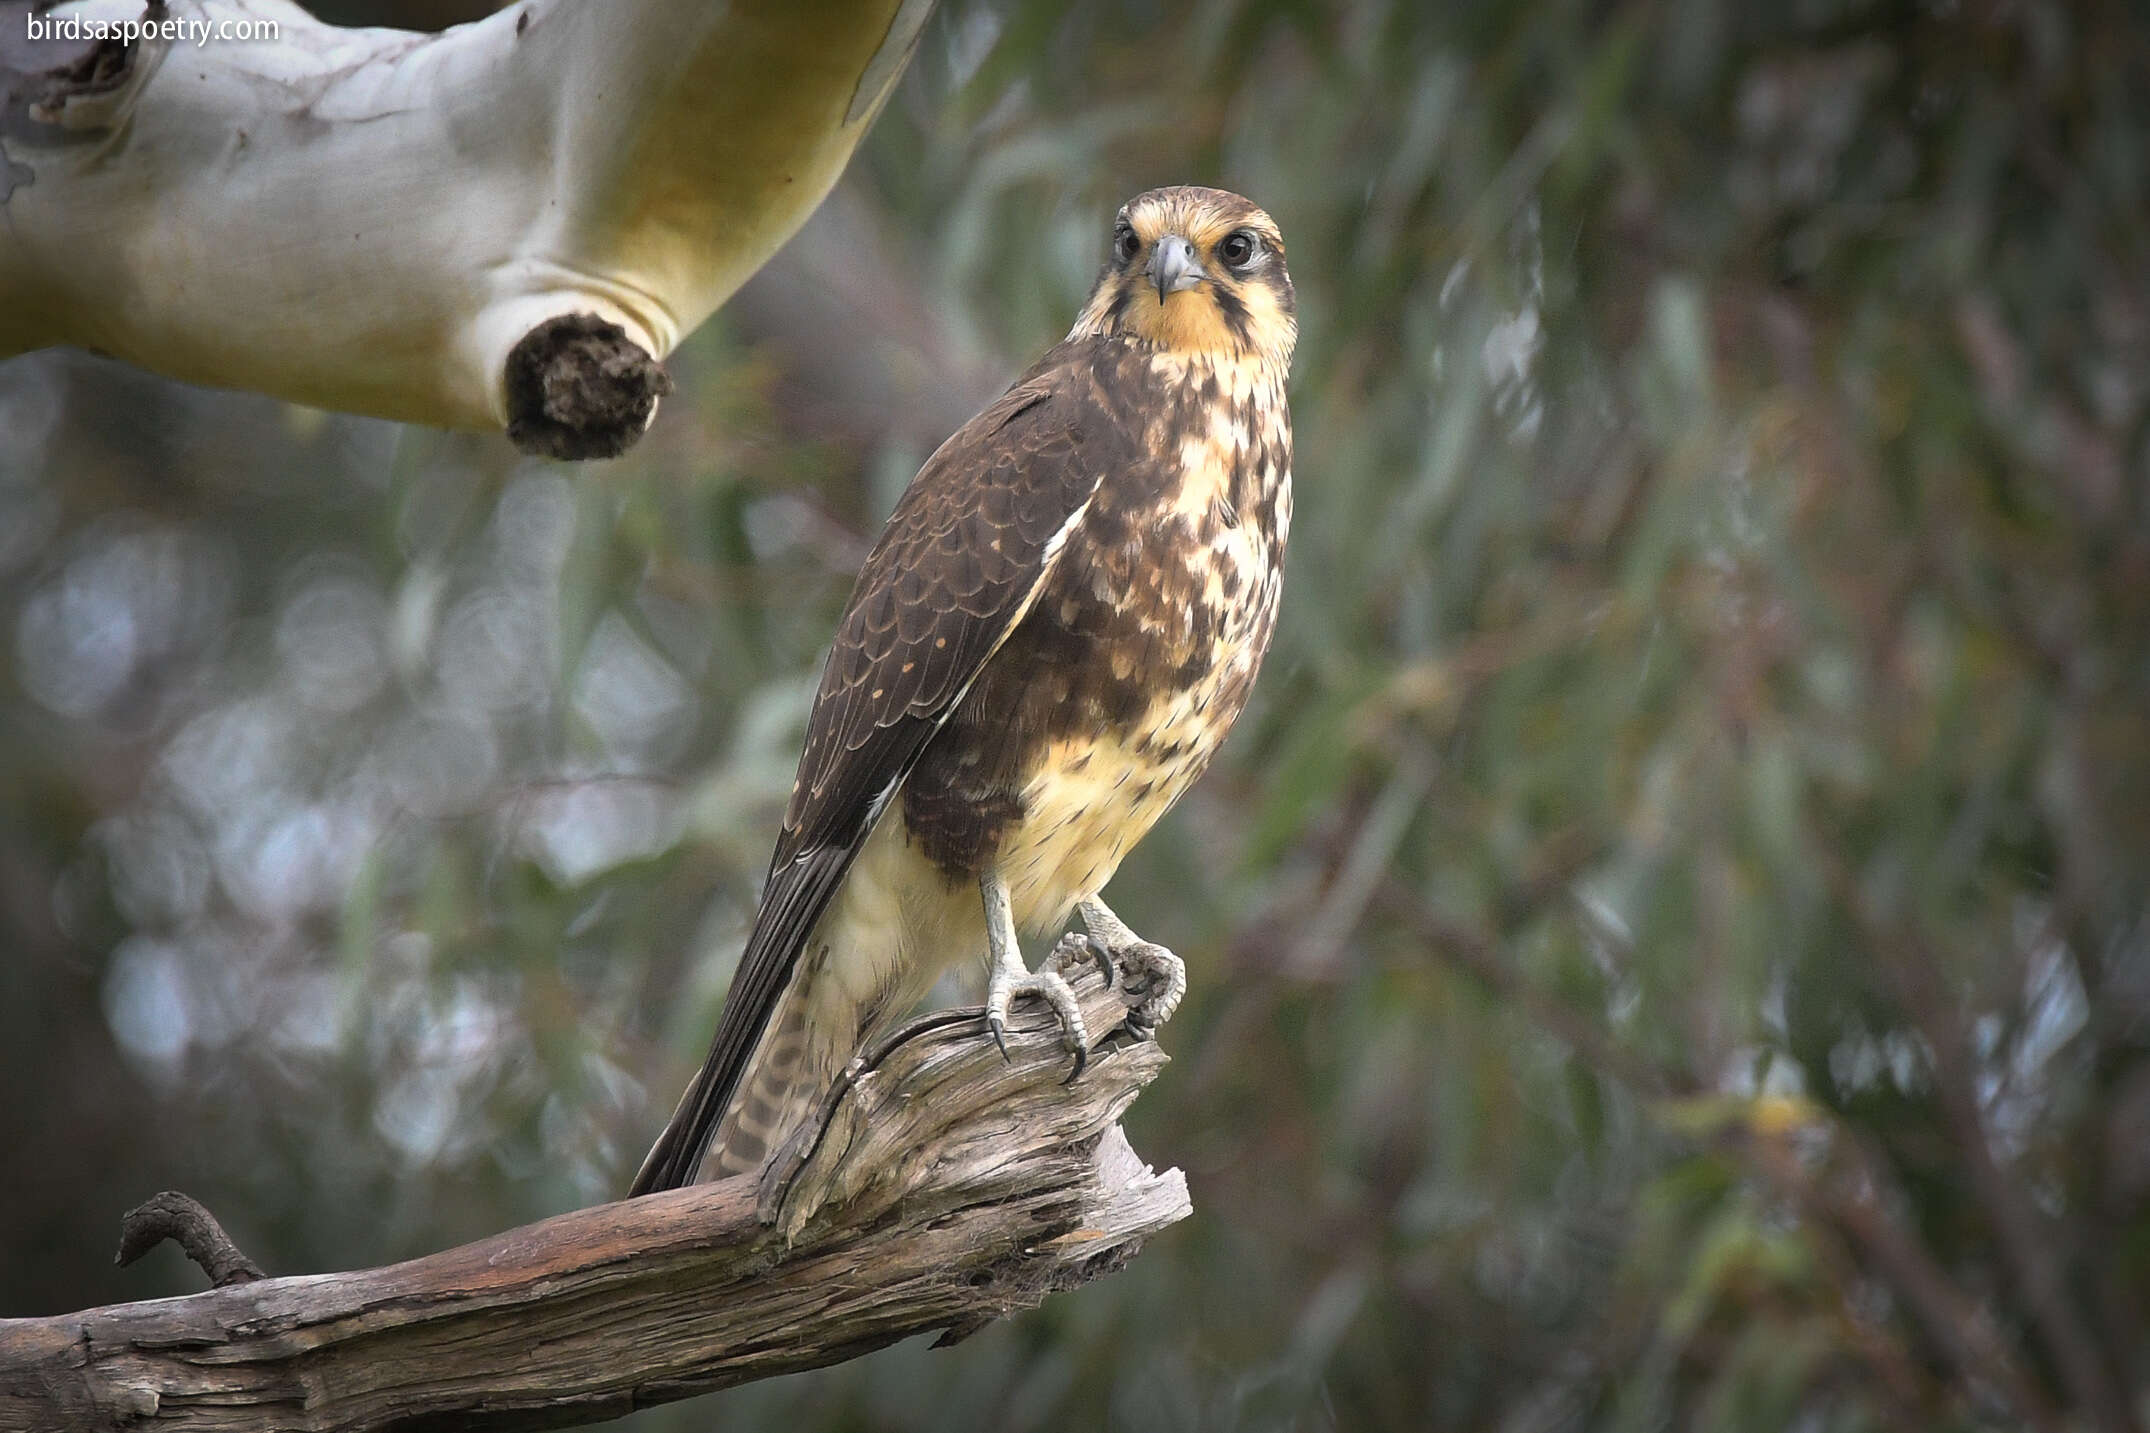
[1056, 629]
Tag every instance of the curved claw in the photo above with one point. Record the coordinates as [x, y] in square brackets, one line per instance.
[1158, 979]
[1082, 1062]
[1102, 954]
[1150, 977]
[1076, 950]
[1051, 987]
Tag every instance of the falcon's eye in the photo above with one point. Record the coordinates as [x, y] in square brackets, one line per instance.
[1124, 242]
[1240, 248]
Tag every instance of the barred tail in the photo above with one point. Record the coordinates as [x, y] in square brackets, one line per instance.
[776, 1096]
[738, 1129]
[792, 1023]
[812, 1034]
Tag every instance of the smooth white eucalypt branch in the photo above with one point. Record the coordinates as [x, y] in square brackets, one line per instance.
[506, 225]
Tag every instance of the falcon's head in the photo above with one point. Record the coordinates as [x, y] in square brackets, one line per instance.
[1195, 271]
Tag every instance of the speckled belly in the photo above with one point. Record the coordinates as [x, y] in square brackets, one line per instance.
[1085, 807]
[1109, 698]
[1090, 797]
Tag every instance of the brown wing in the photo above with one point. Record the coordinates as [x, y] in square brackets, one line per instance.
[964, 553]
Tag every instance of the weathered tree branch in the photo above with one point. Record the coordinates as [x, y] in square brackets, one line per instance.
[506, 225]
[947, 1188]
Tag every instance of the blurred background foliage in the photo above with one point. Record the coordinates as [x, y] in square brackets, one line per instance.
[1668, 943]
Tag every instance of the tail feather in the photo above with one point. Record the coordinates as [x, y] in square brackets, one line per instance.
[778, 1090]
[792, 904]
[672, 1161]
[791, 1023]
[811, 1033]
[715, 1131]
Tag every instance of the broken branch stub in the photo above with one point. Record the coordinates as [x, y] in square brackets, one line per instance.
[375, 220]
[181, 1219]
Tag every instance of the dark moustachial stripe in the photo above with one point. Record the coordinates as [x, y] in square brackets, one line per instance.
[1233, 309]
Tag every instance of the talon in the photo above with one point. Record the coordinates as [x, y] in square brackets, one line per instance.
[1052, 988]
[1102, 954]
[1152, 976]
[1010, 980]
[1082, 1062]
[1077, 950]
[1157, 979]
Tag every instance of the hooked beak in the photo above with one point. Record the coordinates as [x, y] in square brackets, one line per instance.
[1173, 266]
